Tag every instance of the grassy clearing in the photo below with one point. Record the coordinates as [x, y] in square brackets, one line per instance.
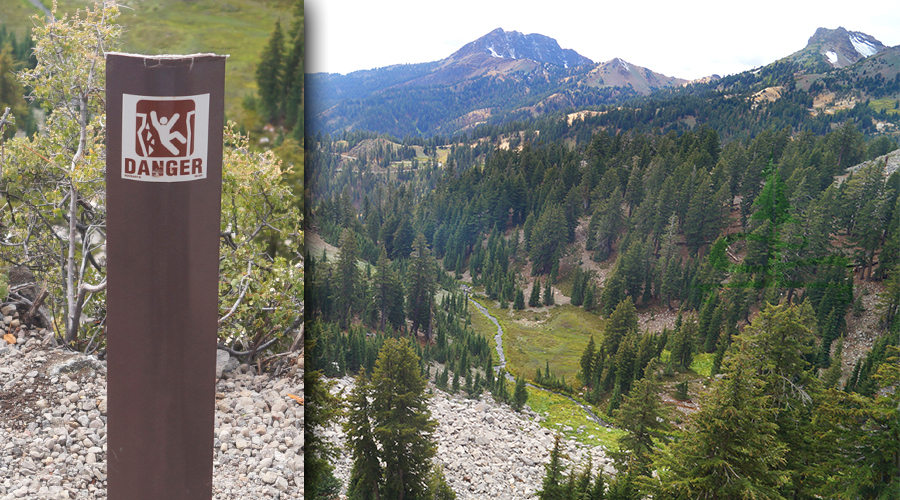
[534, 337]
[16, 16]
[239, 28]
[889, 105]
[702, 364]
[562, 414]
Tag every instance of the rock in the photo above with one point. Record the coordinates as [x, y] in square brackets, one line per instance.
[60, 450]
[279, 406]
[75, 363]
[224, 363]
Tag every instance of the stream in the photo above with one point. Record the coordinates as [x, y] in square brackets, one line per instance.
[498, 339]
[39, 5]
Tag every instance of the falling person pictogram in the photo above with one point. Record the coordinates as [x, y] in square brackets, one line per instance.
[163, 128]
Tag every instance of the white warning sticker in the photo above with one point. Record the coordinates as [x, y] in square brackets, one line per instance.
[164, 139]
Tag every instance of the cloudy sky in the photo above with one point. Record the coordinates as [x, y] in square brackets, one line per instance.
[686, 39]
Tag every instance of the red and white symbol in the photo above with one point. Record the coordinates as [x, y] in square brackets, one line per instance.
[164, 139]
[165, 128]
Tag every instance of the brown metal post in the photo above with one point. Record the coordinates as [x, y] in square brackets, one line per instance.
[164, 180]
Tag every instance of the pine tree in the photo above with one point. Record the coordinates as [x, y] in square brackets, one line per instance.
[683, 344]
[520, 394]
[832, 376]
[420, 279]
[621, 321]
[722, 345]
[388, 295]
[534, 300]
[548, 293]
[269, 73]
[731, 449]
[547, 239]
[577, 288]
[403, 239]
[501, 391]
[11, 92]
[553, 487]
[582, 487]
[293, 76]
[392, 409]
[519, 303]
[598, 489]
[646, 421]
[349, 281]
[437, 485]
[366, 477]
[322, 408]
[587, 362]
[589, 302]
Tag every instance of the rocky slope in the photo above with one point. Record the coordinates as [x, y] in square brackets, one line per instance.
[836, 48]
[53, 426]
[619, 73]
[486, 449]
[514, 45]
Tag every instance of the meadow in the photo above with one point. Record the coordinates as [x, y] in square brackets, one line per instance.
[238, 28]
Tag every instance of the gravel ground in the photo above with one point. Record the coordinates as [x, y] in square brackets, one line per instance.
[486, 450]
[53, 427]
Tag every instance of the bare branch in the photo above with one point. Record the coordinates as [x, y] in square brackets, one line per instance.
[244, 286]
[75, 317]
[33, 310]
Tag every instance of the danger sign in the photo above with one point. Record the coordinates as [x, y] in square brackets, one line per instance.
[164, 139]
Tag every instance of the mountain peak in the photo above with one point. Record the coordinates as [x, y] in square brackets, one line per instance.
[840, 47]
[515, 45]
[618, 72]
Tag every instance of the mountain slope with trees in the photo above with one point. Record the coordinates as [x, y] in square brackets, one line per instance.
[472, 88]
[681, 221]
[756, 221]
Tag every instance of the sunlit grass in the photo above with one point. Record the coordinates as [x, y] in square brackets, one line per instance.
[534, 337]
[889, 105]
[561, 414]
[238, 28]
[702, 364]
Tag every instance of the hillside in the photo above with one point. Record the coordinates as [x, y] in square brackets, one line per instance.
[237, 28]
[836, 48]
[499, 77]
[618, 73]
[656, 248]
[476, 88]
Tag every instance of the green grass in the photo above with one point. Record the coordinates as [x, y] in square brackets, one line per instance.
[481, 324]
[884, 104]
[239, 28]
[16, 16]
[702, 364]
[561, 412]
[531, 338]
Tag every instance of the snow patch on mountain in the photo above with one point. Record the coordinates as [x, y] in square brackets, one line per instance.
[832, 57]
[863, 46]
[494, 52]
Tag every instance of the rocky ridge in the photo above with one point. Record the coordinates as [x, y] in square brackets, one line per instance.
[53, 426]
[486, 449]
[514, 45]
